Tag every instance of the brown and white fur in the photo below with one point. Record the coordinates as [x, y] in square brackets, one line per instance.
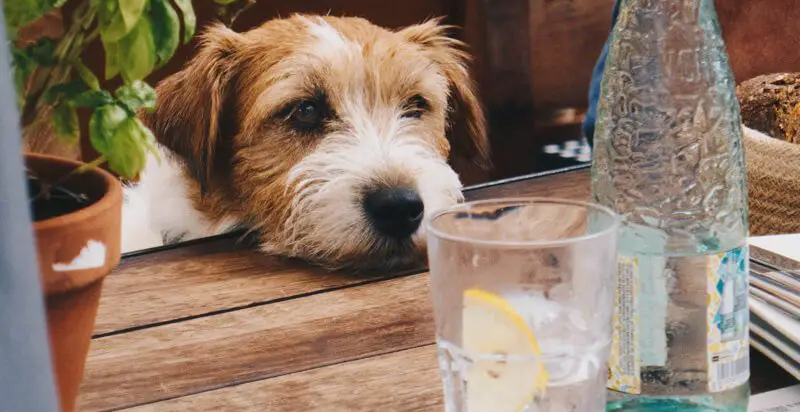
[286, 130]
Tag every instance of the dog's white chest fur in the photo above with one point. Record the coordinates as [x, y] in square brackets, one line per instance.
[158, 209]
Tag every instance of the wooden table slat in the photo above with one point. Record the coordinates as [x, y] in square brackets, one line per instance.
[219, 275]
[218, 326]
[199, 279]
[400, 381]
[271, 340]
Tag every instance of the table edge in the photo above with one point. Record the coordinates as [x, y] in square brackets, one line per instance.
[467, 189]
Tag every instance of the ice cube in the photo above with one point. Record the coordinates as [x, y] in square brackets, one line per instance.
[576, 366]
[569, 353]
[537, 310]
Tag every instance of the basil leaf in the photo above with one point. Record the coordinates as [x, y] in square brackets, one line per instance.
[112, 25]
[23, 67]
[93, 99]
[114, 30]
[131, 11]
[25, 60]
[43, 52]
[137, 95]
[137, 56]
[65, 122]
[146, 136]
[128, 154]
[64, 91]
[103, 126]
[121, 139]
[119, 17]
[166, 29]
[112, 59]
[19, 13]
[189, 19]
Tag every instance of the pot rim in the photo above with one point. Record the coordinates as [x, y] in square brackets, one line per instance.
[113, 191]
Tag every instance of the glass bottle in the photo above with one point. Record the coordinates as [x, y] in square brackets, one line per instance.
[668, 157]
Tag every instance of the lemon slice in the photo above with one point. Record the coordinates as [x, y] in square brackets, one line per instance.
[493, 331]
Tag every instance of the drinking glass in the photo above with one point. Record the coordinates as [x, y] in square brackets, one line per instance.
[523, 293]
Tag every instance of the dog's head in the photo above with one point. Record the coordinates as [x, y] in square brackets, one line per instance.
[329, 136]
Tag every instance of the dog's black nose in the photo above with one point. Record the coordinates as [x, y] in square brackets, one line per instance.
[394, 212]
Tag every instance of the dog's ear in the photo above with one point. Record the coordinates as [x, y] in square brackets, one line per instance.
[466, 121]
[190, 116]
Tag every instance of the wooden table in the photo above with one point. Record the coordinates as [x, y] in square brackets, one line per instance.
[214, 325]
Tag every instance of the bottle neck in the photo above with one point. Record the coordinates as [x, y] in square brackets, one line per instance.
[670, 24]
[676, 4]
[684, 10]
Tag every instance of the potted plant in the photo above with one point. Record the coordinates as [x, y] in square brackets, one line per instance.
[76, 207]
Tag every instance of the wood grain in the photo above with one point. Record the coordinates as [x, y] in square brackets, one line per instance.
[220, 274]
[572, 185]
[401, 381]
[200, 278]
[247, 332]
[256, 343]
[406, 380]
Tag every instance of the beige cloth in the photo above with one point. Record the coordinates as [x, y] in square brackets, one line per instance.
[773, 174]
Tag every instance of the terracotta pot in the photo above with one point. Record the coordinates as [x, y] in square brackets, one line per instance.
[76, 251]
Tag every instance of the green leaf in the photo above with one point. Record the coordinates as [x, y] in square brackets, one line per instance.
[23, 67]
[19, 13]
[189, 19]
[65, 122]
[86, 75]
[131, 11]
[112, 59]
[128, 152]
[137, 52]
[224, 2]
[118, 18]
[112, 26]
[93, 99]
[25, 61]
[103, 126]
[64, 91]
[166, 29]
[114, 30]
[121, 138]
[43, 52]
[137, 95]
[148, 139]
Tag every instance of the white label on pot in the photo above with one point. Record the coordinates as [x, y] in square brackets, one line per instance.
[92, 256]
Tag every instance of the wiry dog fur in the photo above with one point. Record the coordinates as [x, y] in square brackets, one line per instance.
[396, 103]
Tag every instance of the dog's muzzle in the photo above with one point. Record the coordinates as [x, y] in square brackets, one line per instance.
[394, 212]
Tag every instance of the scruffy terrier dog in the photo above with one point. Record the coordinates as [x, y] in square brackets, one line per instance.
[329, 137]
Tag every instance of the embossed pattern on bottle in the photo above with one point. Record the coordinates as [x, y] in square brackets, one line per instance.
[668, 157]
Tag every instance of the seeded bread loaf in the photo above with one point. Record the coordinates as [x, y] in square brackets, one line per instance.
[771, 105]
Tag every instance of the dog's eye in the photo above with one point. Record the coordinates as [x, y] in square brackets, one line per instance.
[415, 107]
[309, 115]
[307, 112]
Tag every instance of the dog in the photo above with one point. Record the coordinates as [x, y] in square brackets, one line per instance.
[328, 137]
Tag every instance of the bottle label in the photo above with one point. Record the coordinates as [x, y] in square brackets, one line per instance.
[640, 317]
[728, 319]
[623, 365]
